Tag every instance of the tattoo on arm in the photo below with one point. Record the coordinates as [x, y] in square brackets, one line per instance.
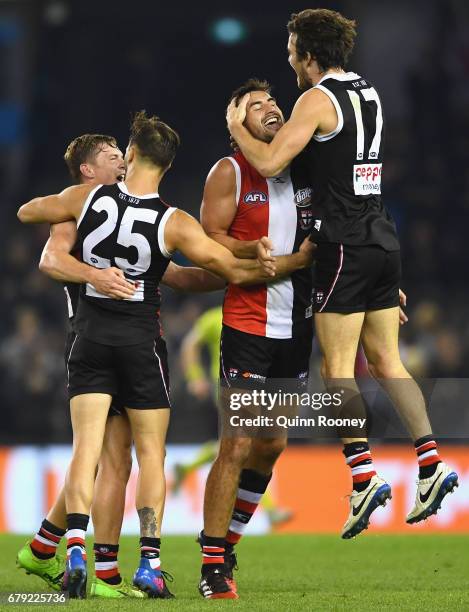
[148, 525]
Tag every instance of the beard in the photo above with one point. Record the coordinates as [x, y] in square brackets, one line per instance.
[303, 80]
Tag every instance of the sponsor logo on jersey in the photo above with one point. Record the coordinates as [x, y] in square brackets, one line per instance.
[367, 179]
[255, 197]
[306, 219]
[309, 312]
[233, 372]
[317, 224]
[253, 376]
[303, 197]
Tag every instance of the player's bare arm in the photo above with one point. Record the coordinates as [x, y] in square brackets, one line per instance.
[57, 263]
[218, 211]
[183, 233]
[286, 264]
[219, 208]
[64, 206]
[313, 112]
[194, 280]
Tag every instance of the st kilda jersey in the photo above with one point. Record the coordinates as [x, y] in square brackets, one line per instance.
[119, 229]
[280, 208]
[345, 168]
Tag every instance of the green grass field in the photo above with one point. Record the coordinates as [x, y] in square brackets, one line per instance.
[299, 573]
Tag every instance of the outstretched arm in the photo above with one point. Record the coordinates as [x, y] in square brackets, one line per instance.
[195, 280]
[312, 111]
[57, 263]
[183, 233]
[64, 206]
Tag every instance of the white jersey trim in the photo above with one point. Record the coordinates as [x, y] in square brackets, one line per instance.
[238, 177]
[340, 76]
[161, 228]
[123, 187]
[340, 116]
[87, 204]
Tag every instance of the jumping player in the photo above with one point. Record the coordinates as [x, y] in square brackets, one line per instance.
[338, 124]
[118, 348]
[267, 329]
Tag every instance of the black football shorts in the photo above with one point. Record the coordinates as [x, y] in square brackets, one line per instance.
[355, 278]
[137, 376]
[247, 360]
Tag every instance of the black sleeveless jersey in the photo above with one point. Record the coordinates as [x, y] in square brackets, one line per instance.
[345, 168]
[119, 229]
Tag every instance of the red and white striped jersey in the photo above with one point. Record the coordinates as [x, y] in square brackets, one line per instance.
[280, 208]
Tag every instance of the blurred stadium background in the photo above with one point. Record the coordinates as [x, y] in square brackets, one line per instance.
[73, 67]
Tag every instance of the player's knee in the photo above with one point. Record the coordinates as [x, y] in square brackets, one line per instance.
[335, 369]
[235, 450]
[270, 450]
[384, 366]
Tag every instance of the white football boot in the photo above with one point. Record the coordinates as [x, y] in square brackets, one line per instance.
[363, 504]
[431, 491]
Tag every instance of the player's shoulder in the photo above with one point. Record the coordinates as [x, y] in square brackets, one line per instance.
[79, 190]
[223, 169]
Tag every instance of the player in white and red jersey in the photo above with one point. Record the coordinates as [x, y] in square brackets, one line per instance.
[267, 329]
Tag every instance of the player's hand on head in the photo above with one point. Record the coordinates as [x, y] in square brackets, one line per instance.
[264, 255]
[403, 318]
[112, 282]
[237, 114]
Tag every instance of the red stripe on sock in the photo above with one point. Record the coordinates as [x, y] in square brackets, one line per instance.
[208, 560]
[76, 542]
[40, 547]
[362, 457]
[232, 538]
[103, 574]
[425, 447]
[363, 477]
[429, 461]
[245, 506]
[50, 536]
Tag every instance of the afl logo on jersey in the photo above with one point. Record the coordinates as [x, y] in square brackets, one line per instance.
[255, 197]
[303, 197]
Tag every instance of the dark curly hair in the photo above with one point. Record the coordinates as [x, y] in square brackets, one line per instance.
[252, 84]
[155, 140]
[327, 35]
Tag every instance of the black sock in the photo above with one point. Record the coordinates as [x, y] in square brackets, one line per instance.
[104, 555]
[77, 524]
[427, 456]
[150, 549]
[45, 542]
[358, 458]
[213, 553]
[252, 486]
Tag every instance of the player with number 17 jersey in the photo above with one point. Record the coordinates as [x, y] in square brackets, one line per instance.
[346, 173]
